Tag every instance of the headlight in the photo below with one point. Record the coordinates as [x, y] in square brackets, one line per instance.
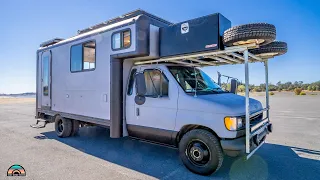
[233, 123]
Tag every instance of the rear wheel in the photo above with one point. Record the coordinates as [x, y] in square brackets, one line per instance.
[63, 126]
[200, 151]
[75, 127]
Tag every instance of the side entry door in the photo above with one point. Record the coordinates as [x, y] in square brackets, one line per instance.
[155, 117]
[46, 79]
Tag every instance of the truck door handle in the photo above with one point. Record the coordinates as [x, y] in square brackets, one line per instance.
[137, 111]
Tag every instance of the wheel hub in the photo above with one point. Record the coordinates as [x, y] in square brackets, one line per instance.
[249, 41]
[60, 126]
[198, 153]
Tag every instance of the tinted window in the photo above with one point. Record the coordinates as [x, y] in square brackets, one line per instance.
[156, 83]
[116, 43]
[83, 56]
[45, 75]
[76, 58]
[131, 81]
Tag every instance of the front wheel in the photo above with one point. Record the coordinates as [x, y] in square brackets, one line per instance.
[200, 152]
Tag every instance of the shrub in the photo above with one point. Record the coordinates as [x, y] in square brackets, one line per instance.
[313, 94]
[303, 93]
[297, 91]
[257, 89]
[271, 93]
[241, 88]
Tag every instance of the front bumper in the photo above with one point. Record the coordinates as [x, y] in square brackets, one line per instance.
[239, 144]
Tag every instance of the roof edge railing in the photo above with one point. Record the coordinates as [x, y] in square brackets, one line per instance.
[121, 18]
[51, 42]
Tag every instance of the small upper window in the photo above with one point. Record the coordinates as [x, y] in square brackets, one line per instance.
[121, 40]
[83, 56]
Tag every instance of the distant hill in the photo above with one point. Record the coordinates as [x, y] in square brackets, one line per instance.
[19, 94]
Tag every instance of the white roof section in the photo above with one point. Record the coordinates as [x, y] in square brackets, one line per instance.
[95, 31]
[104, 26]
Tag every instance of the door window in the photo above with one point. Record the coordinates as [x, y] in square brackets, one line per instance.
[45, 75]
[156, 83]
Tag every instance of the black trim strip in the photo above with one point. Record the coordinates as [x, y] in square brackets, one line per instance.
[152, 134]
[104, 122]
[116, 99]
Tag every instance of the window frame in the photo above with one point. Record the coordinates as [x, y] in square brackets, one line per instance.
[95, 56]
[161, 71]
[121, 39]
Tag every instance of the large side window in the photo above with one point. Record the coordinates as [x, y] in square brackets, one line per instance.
[83, 57]
[156, 83]
[131, 81]
[121, 40]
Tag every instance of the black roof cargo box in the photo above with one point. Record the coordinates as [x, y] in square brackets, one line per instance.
[196, 35]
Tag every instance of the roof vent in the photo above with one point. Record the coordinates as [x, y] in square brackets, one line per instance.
[51, 42]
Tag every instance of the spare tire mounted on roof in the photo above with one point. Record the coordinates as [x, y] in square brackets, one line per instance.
[259, 33]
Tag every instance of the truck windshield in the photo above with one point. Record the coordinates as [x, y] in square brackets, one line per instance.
[194, 80]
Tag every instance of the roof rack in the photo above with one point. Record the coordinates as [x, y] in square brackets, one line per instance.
[231, 55]
[51, 42]
[121, 18]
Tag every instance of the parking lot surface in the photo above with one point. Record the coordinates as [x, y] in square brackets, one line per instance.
[292, 151]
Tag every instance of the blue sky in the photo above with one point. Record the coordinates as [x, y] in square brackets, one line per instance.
[25, 24]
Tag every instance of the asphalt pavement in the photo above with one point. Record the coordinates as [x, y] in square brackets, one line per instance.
[292, 151]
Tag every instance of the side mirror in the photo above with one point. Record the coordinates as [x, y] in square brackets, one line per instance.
[234, 86]
[140, 84]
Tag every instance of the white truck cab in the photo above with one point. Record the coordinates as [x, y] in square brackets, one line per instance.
[141, 76]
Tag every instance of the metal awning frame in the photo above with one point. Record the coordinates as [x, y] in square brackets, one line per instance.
[231, 55]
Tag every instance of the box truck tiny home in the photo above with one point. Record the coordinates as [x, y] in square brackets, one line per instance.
[140, 75]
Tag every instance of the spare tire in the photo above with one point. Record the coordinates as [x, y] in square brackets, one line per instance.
[260, 33]
[275, 48]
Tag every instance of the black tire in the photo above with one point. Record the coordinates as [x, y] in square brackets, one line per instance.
[275, 48]
[63, 126]
[260, 33]
[206, 164]
[75, 127]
